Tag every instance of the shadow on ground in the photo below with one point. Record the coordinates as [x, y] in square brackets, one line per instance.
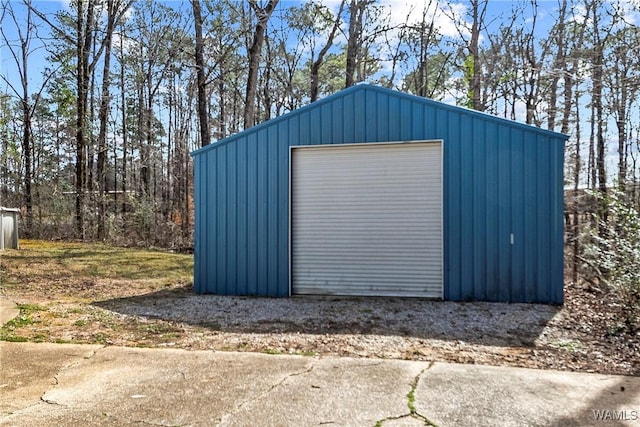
[615, 404]
[494, 324]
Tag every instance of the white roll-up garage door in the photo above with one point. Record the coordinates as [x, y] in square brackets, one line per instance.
[366, 219]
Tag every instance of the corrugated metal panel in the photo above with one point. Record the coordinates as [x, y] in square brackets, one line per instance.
[367, 220]
[499, 178]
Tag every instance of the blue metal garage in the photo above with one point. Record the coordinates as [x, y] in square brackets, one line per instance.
[376, 192]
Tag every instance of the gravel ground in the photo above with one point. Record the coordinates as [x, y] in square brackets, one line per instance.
[529, 335]
[82, 293]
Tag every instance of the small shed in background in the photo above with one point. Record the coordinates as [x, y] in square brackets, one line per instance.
[9, 228]
[371, 191]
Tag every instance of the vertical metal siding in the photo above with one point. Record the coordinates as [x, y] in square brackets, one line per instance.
[504, 214]
[241, 217]
[465, 155]
[479, 192]
[543, 221]
[517, 209]
[500, 177]
[530, 219]
[557, 230]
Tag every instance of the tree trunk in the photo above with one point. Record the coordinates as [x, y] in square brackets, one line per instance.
[577, 248]
[354, 42]
[315, 66]
[103, 116]
[203, 113]
[125, 136]
[83, 28]
[474, 52]
[263, 15]
[28, 169]
[27, 137]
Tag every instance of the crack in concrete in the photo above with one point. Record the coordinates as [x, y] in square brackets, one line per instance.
[413, 412]
[149, 423]
[112, 419]
[262, 395]
[291, 375]
[411, 397]
[51, 402]
[60, 371]
[367, 365]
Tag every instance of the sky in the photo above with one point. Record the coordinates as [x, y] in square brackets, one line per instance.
[400, 10]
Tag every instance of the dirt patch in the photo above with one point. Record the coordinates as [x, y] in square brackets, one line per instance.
[66, 296]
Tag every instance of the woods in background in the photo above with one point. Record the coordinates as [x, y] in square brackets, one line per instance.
[102, 101]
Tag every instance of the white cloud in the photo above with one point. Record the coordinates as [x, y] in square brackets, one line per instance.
[630, 10]
[444, 15]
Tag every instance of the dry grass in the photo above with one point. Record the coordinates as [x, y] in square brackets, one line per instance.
[56, 286]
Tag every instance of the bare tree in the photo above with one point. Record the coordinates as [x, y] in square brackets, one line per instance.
[355, 38]
[115, 10]
[20, 54]
[317, 63]
[255, 50]
[432, 62]
[478, 12]
[203, 113]
[623, 83]
[471, 58]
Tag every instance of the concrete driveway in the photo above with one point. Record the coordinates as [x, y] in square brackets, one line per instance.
[81, 385]
[93, 385]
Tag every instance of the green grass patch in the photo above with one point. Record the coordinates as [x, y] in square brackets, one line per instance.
[568, 345]
[39, 338]
[19, 321]
[411, 396]
[159, 328]
[100, 338]
[30, 308]
[171, 336]
[24, 318]
[94, 260]
[12, 338]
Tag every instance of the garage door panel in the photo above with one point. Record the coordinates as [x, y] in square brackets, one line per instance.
[367, 220]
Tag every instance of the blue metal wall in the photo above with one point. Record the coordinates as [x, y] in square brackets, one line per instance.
[503, 198]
